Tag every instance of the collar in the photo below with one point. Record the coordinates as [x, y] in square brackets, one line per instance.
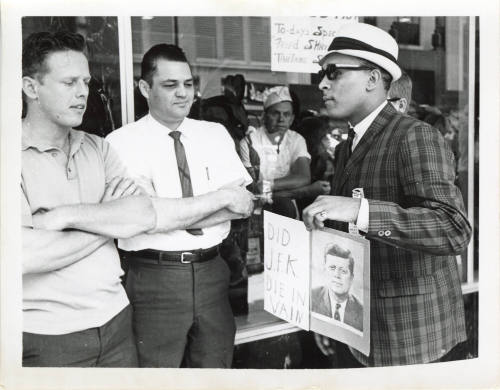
[361, 127]
[269, 136]
[75, 140]
[155, 125]
[334, 301]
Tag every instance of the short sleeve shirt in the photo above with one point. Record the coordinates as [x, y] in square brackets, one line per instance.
[88, 292]
[148, 152]
[274, 163]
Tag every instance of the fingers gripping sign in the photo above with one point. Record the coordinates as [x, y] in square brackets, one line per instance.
[326, 207]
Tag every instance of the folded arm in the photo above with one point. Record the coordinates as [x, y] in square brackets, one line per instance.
[119, 218]
[131, 215]
[49, 250]
[299, 176]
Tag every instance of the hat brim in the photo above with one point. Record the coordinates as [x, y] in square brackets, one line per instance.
[385, 63]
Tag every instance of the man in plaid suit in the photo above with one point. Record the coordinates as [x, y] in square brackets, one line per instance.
[412, 213]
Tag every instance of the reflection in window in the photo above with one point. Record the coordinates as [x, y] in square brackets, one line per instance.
[406, 30]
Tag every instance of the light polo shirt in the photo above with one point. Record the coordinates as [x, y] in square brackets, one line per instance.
[87, 293]
[360, 129]
[148, 151]
[291, 147]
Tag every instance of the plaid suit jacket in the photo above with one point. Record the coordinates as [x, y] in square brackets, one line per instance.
[417, 224]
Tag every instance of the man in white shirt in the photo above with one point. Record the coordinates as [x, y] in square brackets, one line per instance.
[74, 201]
[334, 298]
[177, 282]
[283, 155]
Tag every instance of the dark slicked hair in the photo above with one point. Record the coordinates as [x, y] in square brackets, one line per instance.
[163, 51]
[336, 250]
[38, 46]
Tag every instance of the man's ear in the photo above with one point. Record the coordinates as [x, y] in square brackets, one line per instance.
[374, 78]
[402, 105]
[30, 87]
[144, 88]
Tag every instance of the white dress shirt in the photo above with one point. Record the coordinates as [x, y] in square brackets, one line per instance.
[333, 304]
[274, 164]
[360, 129]
[147, 150]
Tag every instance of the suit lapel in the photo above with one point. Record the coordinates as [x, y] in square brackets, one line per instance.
[378, 125]
[325, 299]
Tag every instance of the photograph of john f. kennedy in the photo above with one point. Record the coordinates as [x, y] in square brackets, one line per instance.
[334, 299]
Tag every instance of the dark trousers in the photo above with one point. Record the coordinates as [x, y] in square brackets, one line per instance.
[110, 345]
[182, 315]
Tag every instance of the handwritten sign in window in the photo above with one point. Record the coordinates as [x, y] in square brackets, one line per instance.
[297, 43]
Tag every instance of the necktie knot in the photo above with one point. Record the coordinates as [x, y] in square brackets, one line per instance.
[351, 133]
[336, 315]
[176, 135]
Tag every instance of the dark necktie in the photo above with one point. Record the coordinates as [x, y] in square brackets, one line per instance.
[184, 175]
[350, 138]
[336, 315]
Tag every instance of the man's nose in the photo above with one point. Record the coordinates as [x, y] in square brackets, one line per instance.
[323, 84]
[82, 89]
[180, 90]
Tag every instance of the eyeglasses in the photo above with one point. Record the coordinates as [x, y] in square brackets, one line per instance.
[331, 71]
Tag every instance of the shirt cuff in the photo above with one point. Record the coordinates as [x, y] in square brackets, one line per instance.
[363, 216]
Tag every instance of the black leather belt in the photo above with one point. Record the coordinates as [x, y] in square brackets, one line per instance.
[152, 256]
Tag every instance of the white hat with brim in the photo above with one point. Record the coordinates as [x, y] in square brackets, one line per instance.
[369, 43]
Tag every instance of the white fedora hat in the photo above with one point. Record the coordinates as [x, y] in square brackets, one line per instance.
[367, 42]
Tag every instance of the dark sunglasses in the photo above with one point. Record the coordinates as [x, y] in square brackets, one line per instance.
[331, 71]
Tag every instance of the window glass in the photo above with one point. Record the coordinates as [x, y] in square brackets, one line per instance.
[434, 52]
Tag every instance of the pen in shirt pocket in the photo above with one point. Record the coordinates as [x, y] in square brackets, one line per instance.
[208, 173]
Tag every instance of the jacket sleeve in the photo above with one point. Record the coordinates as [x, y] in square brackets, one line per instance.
[431, 218]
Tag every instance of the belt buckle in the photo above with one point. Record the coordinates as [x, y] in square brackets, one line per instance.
[182, 257]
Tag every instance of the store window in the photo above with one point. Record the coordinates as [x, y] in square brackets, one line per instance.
[439, 53]
[233, 40]
[406, 30]
[443, 95]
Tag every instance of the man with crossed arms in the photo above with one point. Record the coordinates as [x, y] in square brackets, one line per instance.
[177, 282]
[74, 200]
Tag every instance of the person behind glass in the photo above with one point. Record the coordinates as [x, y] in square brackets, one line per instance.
[75, 199]
[177, 281]
[400, 93]
[283, 155]
[319, 141]
[334, 299]
[412, 212]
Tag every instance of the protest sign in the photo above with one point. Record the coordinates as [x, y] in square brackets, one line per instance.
[297, 43]
[318, 280]
[286, 269]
